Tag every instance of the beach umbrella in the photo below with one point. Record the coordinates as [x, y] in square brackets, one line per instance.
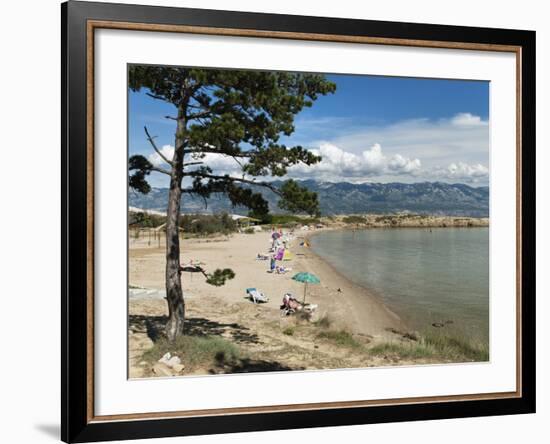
[306, 278]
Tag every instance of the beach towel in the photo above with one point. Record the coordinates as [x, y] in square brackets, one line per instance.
[287, 255]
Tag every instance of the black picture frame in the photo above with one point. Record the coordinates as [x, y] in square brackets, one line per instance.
[76, 423]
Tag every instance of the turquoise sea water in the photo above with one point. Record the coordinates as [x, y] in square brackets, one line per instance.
[425, 276]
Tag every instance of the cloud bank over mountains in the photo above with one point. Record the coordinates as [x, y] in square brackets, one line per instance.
[337, 164]
[455, 149]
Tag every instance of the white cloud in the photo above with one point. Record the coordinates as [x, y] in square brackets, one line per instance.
[337, 164]
[156, 159]
[463, 172]
[459, 139]
[442, 141]
[221, 164]
[467, 119]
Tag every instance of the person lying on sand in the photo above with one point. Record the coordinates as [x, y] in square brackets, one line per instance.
[291, 305]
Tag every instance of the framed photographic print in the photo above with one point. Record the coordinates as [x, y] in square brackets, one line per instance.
[277, 221]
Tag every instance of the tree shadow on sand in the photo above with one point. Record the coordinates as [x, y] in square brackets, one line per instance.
[247, 365]
[154, 327]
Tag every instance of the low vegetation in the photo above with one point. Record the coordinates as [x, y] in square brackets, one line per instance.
[207, 224]
[458, 347]
[289, 331]
[342, 338]
[146, 220]
[442, 347]
[437, 347]
[323, 322]
[215, 354]
[412, 220]
[196, 351]
[285, 220]
[190, 224]
[354, 220]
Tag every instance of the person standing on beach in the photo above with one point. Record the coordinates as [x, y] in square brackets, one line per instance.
[272, 263]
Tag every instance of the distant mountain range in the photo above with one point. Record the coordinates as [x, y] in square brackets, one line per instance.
[435, 198]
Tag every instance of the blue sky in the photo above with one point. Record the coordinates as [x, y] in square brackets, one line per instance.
[372, 129]
[391, 99]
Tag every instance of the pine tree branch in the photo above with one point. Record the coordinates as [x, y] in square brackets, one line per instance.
[234, 179]
[214, 150]
[237, 160]
[154, 96]
[160, 170]
[152, 142]
[199, 115]
[192, 163]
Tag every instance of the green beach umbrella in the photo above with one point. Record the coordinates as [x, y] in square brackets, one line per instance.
[306, 278]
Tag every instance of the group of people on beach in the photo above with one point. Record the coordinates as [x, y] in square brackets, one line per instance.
[279, 245]
[279, 251]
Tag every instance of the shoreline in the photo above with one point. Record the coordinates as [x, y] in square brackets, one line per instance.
[360, 298]
[417, 325]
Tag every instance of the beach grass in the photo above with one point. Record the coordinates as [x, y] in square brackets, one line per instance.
[323, 322]
[457, 347]
[195, 351]
[289, 331]
[340, 337]
[443, 347]
[403, 350]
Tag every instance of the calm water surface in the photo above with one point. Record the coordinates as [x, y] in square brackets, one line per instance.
[424, 276]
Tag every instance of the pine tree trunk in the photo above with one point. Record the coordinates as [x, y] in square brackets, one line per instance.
[174, 293]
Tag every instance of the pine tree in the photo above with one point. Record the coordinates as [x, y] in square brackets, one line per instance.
[238, 114]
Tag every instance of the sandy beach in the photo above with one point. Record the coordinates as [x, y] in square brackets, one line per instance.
[259, 329]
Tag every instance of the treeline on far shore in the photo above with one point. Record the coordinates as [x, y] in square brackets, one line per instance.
[202, 224]
[411, 220]
[224, 223]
